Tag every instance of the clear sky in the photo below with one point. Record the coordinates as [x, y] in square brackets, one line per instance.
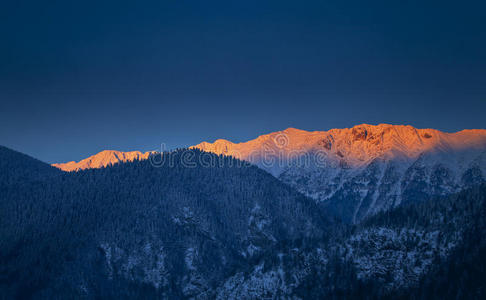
[77, 77]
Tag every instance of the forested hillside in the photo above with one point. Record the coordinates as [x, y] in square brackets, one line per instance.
[18, 168]
[169, 231]
[433, 249]
[227, 230]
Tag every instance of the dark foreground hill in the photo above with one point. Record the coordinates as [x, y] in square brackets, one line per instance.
[138, 230]
[18, 168]
[204, 226]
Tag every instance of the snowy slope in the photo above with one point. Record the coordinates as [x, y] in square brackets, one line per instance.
[102, 159]
[359, 171]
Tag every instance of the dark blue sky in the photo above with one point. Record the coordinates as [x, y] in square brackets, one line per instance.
[77, 77]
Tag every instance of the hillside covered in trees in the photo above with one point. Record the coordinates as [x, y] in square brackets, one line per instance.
[227, 230]
[171, 230]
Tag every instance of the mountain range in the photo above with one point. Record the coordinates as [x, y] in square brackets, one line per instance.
[353, 172]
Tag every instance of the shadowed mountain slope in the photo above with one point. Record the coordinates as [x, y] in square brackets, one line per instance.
[191, 224]
[134, 229]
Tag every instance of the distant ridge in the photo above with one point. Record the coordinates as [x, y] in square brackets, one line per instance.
[354, 147]
[102, 159]
[355, 172]
[360, 143]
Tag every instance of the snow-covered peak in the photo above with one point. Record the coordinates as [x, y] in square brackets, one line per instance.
[102, 159]
[355, 146]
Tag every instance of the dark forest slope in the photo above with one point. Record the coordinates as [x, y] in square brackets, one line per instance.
[204, 226]
[177, 229]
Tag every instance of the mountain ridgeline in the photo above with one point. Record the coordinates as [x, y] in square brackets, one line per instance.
[355, 172]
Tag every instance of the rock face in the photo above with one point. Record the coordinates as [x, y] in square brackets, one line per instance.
[356, 172]
[102, 159]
